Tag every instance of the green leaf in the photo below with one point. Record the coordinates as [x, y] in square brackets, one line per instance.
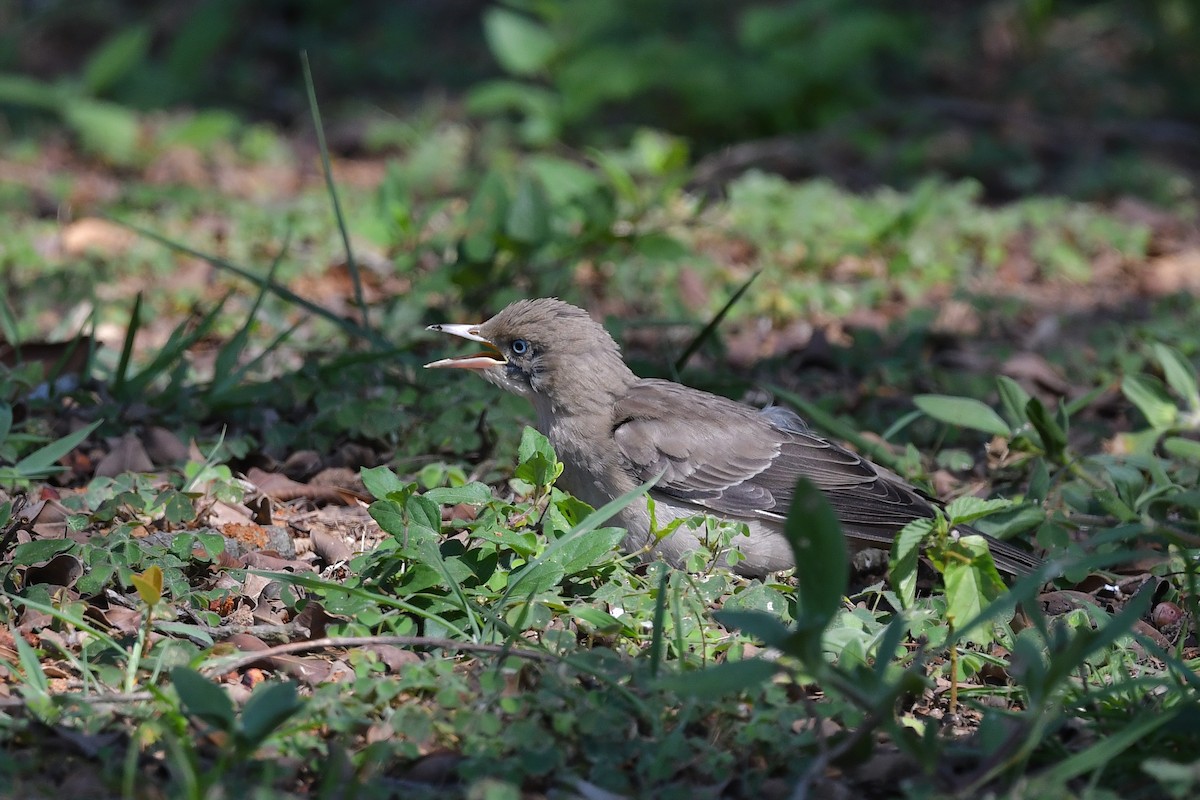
[521, 45]
[598, 620]
[1187, 449]
[40, 550]
[1015, 519]
[484, 219]
[269, 706]
[581, 552]
[963, 412]
[906, 552]
[31, 665]
[972, 581]
[41, 462]
[1180, 374]
[19, 90]
[528, 218]
[562, 179]
[203, 699]
[474, 493]
[1039, 481]
[535, 578]
[536, 460]
[813, 531]
[724, 679]
[6, 417]
[105, 129]
[761, 625]
[383, 484]
[116, 58]
[541, 108]
[184, 629]
[1014, 399]
[1054, 437]
[1150, 397]
[760, 598]
[966, 510]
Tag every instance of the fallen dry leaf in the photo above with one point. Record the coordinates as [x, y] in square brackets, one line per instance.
[91, 235]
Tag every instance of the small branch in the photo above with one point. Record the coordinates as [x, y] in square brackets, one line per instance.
[233, 663]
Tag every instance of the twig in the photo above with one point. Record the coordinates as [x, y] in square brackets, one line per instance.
[233, 663]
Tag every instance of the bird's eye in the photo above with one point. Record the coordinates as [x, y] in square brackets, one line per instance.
[520, 346]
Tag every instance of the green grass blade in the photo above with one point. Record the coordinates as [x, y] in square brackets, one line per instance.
[41, 461]
[349, 328]
[135, 322]
[711, 327]
[351, 264]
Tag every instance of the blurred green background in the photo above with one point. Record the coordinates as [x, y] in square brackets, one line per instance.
[1092, 99]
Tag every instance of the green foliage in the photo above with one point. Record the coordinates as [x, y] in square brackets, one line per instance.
[106, 129]
[724, 71]
[39, 463]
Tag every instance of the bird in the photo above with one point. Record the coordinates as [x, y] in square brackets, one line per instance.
[614, 431]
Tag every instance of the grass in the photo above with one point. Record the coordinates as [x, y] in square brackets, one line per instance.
[480, 633]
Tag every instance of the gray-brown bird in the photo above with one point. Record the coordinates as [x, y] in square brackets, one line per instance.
[614, 431]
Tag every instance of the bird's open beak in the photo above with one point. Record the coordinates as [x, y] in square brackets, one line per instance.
[487, 360]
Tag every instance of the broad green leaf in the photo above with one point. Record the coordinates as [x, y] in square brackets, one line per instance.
[1053, 435]
[563, 180]
[964, 412]
[41, 462]
[1112, 503]
[6, 417]
[19, 90]
[106, 129]
[269, 706]
[758, 598]
[761, 625]
[813, 531]
[965, 510]
[1039, 481]
[535, 578]
[906, 551]
[541, 108]
[31, 665]
[528, 218]
[730, 677]
[1150, 397]
[1015, 519]
[116, 58]
[521, 45]
[474, 493]
[536, 462]
[599, 620]
[484, 219]
[40, 550]
[384, 484]
[423, 512]
[524, 543]
[972, 581]
[1188, 449]
[581, 552]
[1180, 374]
[204, 699]
[185, 629]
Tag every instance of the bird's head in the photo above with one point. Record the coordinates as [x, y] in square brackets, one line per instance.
[546, 350]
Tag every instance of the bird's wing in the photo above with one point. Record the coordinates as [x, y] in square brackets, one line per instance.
[733, 460]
